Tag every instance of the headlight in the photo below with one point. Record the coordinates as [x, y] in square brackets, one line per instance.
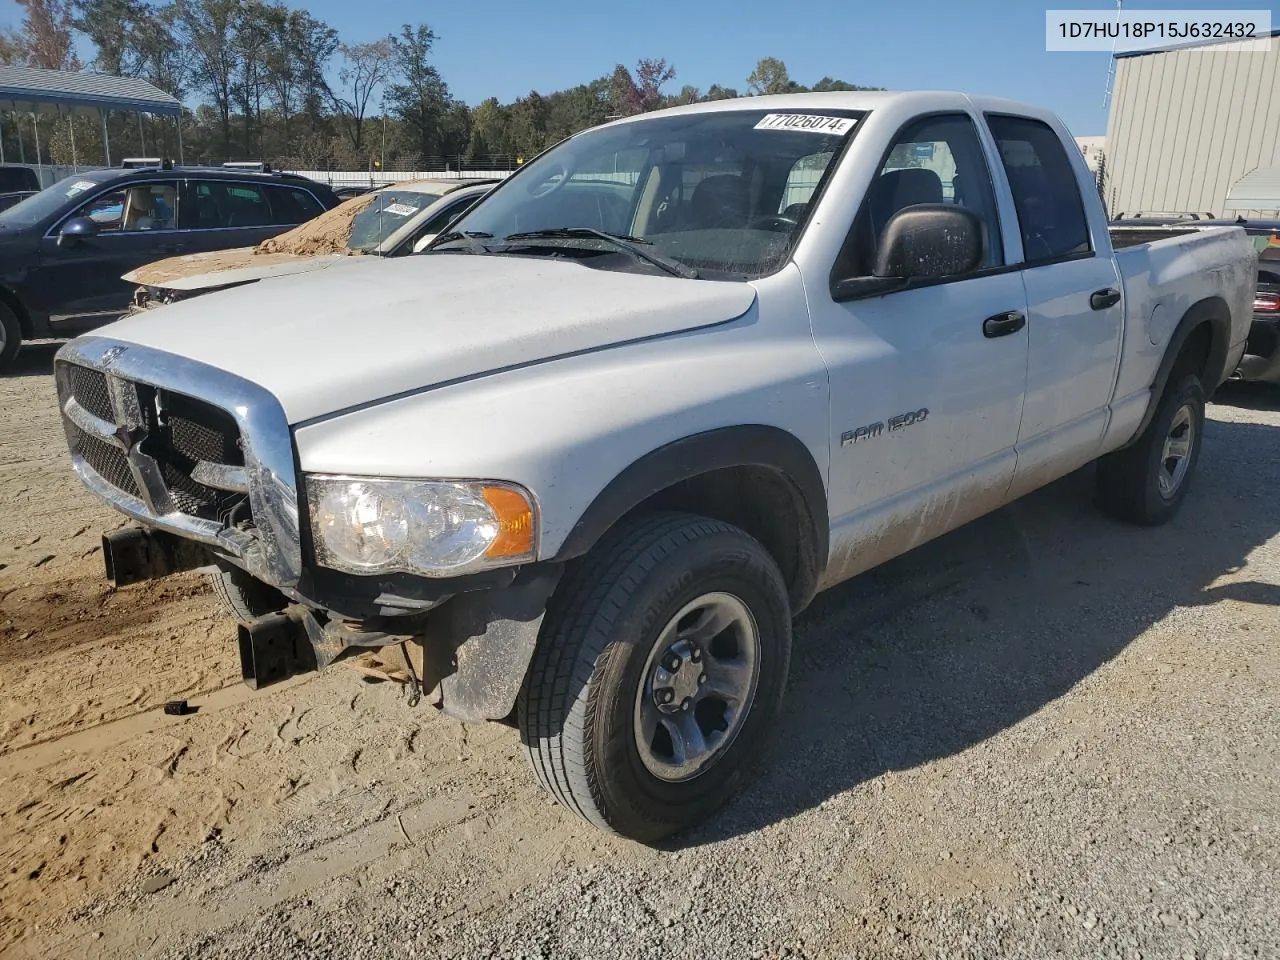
[437, 528]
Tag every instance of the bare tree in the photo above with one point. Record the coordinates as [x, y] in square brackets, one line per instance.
[365, 67]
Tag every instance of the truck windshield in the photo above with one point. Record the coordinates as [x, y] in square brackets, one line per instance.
[386, 213]
[722, 194]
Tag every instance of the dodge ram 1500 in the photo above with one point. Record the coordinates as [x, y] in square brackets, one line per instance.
[586, 459]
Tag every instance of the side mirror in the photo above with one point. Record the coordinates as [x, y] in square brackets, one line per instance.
[75, 230]
[926, 241]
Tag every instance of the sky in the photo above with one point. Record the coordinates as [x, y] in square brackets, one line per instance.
[505, 48]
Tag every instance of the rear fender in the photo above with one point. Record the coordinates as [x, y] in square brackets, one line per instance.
[1215, 312]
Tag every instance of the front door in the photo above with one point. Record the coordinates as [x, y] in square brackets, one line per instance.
[926, 396]
[137, 224]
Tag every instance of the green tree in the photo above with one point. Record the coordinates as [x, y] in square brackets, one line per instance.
[298, 48]
[490, 131]
[770, 76]
[419, 97]
[717, 92]
[688, 94]
[575, 109]
[827, 84]
[210, 28]
[109, 25]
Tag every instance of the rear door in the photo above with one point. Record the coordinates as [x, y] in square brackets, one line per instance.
[224, 214]
[137, 224]
[1074, 310]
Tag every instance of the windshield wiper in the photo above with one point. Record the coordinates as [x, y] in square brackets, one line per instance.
[628, 245]
[471, 236]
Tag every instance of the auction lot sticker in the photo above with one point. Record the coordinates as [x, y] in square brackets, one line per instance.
[808, 123]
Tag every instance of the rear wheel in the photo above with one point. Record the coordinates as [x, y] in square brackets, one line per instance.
[243, 597]
[658, 674]
[1146, 482]
[10, 337]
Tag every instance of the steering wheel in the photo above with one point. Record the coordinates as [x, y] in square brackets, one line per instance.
[774, 222]
[555, 179]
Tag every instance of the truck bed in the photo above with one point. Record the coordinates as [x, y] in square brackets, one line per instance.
[1165, 271]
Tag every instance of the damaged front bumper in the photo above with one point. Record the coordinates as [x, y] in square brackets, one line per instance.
[470, 649]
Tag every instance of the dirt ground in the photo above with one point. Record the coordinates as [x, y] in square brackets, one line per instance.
[1044, 735]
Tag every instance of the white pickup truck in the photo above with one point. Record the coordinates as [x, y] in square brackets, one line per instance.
[585, 460]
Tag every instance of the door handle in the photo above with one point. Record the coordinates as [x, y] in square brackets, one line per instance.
[1003, 324]
[172, 247]
[1101, 299]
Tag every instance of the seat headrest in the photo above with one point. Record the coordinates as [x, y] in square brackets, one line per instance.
[720, 201]
[898, 189]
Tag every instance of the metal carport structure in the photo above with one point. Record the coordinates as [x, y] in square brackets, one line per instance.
[30, 89]
[1257, 190]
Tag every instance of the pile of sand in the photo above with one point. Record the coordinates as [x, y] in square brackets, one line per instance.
[327, 233]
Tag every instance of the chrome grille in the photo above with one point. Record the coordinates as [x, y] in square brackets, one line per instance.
[109, 462]
[89, 387]
[149, 432]
[184, 447]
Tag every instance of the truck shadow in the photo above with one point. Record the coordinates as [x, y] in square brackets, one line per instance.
[1249, 396]
[34, 359]
[941, 649]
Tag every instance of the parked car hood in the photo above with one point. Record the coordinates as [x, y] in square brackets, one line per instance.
[330, 340]
[225, 268]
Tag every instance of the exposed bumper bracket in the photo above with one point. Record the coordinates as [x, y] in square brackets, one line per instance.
[135, 554]
[275, 647]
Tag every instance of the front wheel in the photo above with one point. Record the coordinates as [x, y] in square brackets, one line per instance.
[10, 337]
[658, 674]
[244, 598]
[1146, 482]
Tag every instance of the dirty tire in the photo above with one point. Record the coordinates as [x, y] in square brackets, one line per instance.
[1128, 483]
[243, 597]
[577, 709]
[10, 337]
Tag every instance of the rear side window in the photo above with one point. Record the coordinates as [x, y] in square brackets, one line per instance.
[17, 178]
[293, 205]
[1045, 193]
[221, 204]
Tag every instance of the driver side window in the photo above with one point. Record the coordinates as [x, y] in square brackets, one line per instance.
[934, 160]
[147, 206]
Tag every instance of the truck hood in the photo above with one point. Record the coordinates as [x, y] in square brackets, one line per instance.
[225, 268]
[326, 341]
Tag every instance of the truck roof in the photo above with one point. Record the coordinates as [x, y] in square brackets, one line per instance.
[907, 100]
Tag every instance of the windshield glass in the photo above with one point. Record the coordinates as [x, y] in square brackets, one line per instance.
[45, 203]
[723, 193]
[386, 213]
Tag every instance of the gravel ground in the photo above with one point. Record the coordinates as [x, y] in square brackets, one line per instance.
[1045, 735]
